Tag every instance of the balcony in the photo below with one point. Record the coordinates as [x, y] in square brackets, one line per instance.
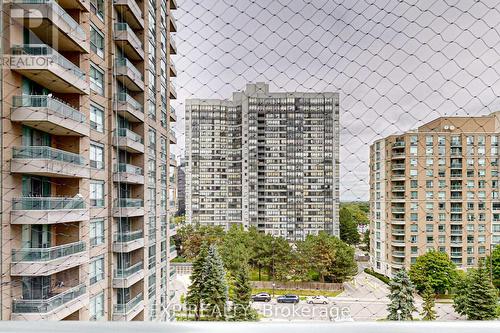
[173, 4]
[172, 24]
[127, 277]
[172, 253]
[397, 188]
[173, 115]
[172, 91]
[398, 144]
[398, 232]
[129, 108]
[173, 45]
[51, 23]
[45, 66]
[126, 207]
[172, 137]
[125, 139]
[130, 12]
[54, 308]
[128, 311]
[456, 254]
[47, 210]
[395, 156]
[399, 166]
[173, 229]
[398, 254]
[129, 75]
[129, 174]
[49, 114]
[48, 261]
[49, 162]
[128, 41]
[398, 242]
[398, 222]
[129, 241]
[173, 161]
[398, 210]
[172, 69]
[83, 5]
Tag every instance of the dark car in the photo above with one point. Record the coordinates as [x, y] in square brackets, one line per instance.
[262, 297]
[288, 299]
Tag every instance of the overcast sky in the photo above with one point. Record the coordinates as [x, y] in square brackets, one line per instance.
[396, 63]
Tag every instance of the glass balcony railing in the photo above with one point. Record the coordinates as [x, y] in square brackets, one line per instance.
[126, 98]
[126, 133]
[128, 168]
[46, 254]
[122, 273]
[45, 101]
[49, 153]
[47, 203]
[129, 306]
[122, 26]
[63, 15]
[124, 62]
[45, 50]
[49, 304]
[125, 237]
[129, 203]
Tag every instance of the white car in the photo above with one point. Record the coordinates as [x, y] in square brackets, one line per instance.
[317, 300]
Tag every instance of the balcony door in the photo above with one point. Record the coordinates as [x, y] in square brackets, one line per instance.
[34, 186]
[33, 137]
[37, 287]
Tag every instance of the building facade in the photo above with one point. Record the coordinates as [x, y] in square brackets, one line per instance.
[264, 159]
[86, 135]
[435, 188]
[181, 188]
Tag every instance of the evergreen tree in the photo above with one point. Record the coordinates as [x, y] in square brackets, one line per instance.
[193, 298]
[242, 310]
[428, 311]
[214, 293]
[480, 296]
[348, 227]
[401, 296]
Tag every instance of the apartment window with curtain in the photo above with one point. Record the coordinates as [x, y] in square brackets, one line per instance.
[96, 307]
[96, 232]
[96, 155]
[96, 193]
[97, 269]
[96, 118]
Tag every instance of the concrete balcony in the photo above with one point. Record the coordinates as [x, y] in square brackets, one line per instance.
[56, 307]
[131, 13]
[172, 137]
[83, 5]
[172, 69]
[49, 114]
[51, 23]
[173, 45]
[398, 254]
[129, 75]
[49, 162]
[129, 174]
[125, 207]
[129, 108]
[48, 261]
[172, 91]
[172, 253]
[128, 311]
[127, 277]
[173, 4]
[47, 210]
[128, 41]
[128, 140]
[45, 66]
[172, 22]
[124, 242]
[173, 229]
[173, 161]
[172, 114]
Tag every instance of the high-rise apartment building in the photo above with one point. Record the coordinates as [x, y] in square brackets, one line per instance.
[86, 135]
[435, 188]
[181, 187]
[264, 159]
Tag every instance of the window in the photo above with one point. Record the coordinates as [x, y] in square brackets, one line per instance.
[96, 79]
[96, 156]
[97, 193]
[96, 232]
[97, 7]
[96, 307]
[96, 41]
[97, 270]
[96, 118]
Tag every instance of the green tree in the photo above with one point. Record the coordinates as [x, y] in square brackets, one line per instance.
[348, 227]
[193, 298]
[476, 297]
[366, 240]
[235, 248]
[261, 250]
[495, 269]
[401, 296]
[242, 296]
[434, 269]
[189, 239]
[214, 293]
[428, 311]
[344, 266]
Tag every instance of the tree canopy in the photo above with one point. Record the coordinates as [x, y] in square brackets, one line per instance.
[434, 269]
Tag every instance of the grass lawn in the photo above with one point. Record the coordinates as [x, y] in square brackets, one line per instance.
[301, 293]
[254, 275]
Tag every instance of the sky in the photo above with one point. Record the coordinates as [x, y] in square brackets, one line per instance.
[397, 64]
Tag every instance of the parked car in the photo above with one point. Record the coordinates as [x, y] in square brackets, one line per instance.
[317, 300]
[288, 299]
[262, 297]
